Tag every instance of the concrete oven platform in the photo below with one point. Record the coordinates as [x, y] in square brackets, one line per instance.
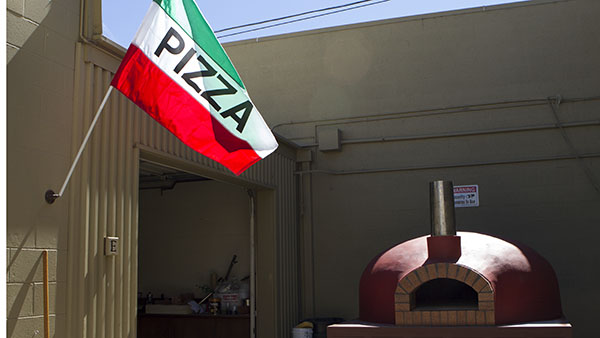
[546, 329]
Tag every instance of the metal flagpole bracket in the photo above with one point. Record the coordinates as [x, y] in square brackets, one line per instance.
[51, 196]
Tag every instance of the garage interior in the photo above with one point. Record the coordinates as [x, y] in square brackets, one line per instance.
[194, 255]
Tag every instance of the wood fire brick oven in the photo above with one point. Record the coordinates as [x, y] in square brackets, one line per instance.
[457, 285]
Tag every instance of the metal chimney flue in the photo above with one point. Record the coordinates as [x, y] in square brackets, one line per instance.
[441, 205]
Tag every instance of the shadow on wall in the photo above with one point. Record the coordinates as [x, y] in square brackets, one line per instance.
[40, 50]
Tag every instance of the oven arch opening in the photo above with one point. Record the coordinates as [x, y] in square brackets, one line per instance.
[444, 294]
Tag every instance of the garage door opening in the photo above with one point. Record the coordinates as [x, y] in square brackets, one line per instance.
[194, 258]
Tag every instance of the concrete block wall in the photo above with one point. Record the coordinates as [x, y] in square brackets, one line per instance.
[40, 45]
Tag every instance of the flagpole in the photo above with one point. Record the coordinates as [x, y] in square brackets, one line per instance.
[50, 195]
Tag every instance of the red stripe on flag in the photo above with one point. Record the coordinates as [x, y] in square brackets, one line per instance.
[157, 94]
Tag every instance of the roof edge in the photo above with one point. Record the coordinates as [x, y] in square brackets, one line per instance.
[473, 10]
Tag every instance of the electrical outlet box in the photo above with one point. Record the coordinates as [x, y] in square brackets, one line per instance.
[329, 139]
[111, 246]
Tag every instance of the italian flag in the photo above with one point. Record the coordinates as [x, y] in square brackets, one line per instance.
[177, 71]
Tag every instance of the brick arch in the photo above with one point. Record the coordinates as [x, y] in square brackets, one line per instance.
[404, 297]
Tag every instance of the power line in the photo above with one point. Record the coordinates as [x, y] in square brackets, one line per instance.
[290, 16]
[365, 3]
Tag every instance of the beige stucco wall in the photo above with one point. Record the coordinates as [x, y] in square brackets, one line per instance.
[185, 236]
[459, 96]
[40, 64]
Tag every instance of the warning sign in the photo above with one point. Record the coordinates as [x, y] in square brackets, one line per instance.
[466, 196]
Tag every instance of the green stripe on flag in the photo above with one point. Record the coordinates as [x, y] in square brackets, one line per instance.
[201, 33]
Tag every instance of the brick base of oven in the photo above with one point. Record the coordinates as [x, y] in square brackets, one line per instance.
[368, 330]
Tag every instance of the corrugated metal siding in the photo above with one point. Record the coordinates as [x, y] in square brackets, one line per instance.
[287, 239]
[101, 301]
[103, 197]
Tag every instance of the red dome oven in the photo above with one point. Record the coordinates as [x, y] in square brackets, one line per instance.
[457, 285]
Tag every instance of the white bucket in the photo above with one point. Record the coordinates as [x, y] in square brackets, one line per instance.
[301, 332]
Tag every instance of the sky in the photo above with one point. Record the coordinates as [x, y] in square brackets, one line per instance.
[122, 17]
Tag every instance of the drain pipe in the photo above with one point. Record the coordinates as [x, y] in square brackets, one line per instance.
[109, 48]
[252, 195]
